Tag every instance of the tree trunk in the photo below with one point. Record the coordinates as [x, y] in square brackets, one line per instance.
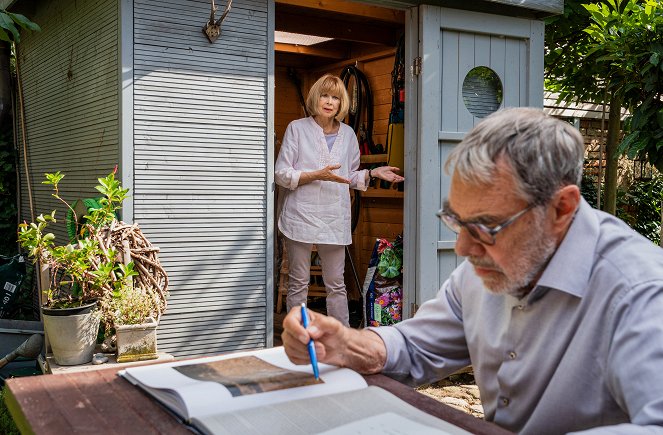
[614, 128]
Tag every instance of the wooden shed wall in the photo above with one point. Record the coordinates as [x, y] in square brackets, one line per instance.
[201, 167]
[69, 72]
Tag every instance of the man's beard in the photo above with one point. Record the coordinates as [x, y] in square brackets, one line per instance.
[525, 266]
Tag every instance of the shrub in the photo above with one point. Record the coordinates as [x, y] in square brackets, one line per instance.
[7, 425]
[640, 207]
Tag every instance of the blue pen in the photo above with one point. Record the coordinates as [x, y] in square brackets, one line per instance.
[311, 345]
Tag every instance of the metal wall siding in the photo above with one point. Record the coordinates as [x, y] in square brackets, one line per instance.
[200, 169]
[229, 328]
[69, 72]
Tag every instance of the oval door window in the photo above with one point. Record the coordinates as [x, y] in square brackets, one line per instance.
[482, 91]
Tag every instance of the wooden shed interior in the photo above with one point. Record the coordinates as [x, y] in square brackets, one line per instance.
[364, 36]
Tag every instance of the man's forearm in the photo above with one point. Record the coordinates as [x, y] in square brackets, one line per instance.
[365, 351]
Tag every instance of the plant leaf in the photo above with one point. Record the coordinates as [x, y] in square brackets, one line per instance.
[8, 24]
[24, 22]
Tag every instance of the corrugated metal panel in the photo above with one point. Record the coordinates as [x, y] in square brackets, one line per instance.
[200, 169]
[70, 85]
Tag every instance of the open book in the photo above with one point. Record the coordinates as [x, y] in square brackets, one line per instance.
[262, 392]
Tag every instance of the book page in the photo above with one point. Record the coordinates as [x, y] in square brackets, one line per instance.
[348, 413]
[227, 383]
[388, 423]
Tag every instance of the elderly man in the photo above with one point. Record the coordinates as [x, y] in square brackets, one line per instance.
[558, 307]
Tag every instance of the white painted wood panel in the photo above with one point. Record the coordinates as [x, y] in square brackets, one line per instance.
[202, 155]
[453, 42]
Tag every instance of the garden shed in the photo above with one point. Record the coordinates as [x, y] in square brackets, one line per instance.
[194, 126]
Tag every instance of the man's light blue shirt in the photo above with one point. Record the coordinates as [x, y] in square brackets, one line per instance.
[584, 349]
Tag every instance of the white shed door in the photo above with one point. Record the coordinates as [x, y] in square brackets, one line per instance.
[445, 104]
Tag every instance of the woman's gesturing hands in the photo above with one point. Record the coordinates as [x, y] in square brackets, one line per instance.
[325, 174]
[387, 173]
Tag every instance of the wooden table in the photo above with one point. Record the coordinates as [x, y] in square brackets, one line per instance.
[99, 401]
[50, 366]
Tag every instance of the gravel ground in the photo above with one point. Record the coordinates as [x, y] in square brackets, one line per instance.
[458, 391]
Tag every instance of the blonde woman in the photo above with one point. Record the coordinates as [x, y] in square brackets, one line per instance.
[317, 165]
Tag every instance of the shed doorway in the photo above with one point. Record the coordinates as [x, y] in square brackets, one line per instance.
[312, 39]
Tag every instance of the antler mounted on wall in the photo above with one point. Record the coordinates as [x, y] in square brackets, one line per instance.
[212, 28]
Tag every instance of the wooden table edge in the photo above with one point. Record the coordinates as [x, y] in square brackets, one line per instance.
[436, 408]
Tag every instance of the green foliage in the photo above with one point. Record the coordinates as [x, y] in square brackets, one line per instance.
[87, 270]
[128, 306]
[629, 37]
[7, 425]
[92, 269]
[9, 21]
[617, 45]
[638, 204]
[588, 189]
[640, 207]
[9, 32]
[8, 209]
[567, 69]
[391, 258]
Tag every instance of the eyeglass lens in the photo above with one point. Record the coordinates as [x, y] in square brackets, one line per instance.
[475, 231]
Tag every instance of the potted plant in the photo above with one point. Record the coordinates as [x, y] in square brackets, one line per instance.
[109, 258]
[132, 314]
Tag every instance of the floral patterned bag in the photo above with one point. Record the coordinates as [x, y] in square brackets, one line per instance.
[384, 297]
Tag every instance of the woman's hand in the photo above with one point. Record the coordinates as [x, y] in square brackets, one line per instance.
[325, 174]
[387, 173]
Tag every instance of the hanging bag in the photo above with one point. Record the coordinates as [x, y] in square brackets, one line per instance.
[12, 273]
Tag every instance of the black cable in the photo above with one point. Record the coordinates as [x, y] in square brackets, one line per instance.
[364, 98]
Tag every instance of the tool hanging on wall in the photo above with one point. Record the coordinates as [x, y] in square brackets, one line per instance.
[212, 29]
[361, 100]
[294, 78]
[396, 129]
[398, 84]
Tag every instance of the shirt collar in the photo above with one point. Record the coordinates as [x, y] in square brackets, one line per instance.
[570, 267]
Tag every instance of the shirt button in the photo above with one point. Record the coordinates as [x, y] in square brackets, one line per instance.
[512, 355]
[505, 401]
[520, 307]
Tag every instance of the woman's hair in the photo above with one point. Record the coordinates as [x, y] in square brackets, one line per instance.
[543, 152]
[332, 85]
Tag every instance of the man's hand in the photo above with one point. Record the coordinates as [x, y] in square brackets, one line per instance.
[360, 350]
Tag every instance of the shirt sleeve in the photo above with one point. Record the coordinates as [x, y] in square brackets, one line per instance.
[633, 366]
[357, 177]
[431, 345]
[285, 173]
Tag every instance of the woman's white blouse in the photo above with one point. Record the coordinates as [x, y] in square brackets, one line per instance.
[317, 212]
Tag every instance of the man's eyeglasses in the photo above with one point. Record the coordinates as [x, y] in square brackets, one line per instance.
[480, 232]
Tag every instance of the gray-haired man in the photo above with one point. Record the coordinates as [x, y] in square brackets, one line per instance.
[558, 307]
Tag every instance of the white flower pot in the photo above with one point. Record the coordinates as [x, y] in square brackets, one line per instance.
[72, 337]
[137, 342]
